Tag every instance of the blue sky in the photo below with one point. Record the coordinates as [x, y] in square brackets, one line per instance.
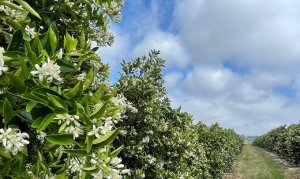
[233, 62]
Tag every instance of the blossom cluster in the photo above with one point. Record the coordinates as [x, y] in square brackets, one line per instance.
[10, 12]
[48, 70]
[69, 124]
[30, 31]
[124, 104]
[100, 34]
[13, 140]
[110, 168]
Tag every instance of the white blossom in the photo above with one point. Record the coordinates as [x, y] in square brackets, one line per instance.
[94, 132]
[3, 68]
[98, 175]
[13, 140]
[81, 76]
[4, 136]
[114, 174]
[68, 119]
[48, 70]
[60, 54]
[76, 165]
[41, 136]
[75, 130]
[11, 13]
[73, 126]
[30, 31]
[68, 3]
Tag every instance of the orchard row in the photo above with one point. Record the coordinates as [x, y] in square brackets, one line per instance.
[284, 141]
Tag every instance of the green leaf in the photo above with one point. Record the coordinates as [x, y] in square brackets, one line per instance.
[40, 157]
[4, 153]
[100, 112]
[76, 91]
[7, 112]
[53, 39]
[78, 152]
[16, 41]
[30, 105]
[99, 93]
[62, 127]
[33, 96]
[47, 120]
[89, 169]
[58, 103]
[82, 113]
[44, 38]
[107, 138]
[116, 152]
[31, 56]
[28, 8]
[89, 79]
[66, 66]
[1, 106]
[16, 82]
[61, 176]
[69, 43]
[11, 5]
[37, 122]
[82, 40]
[60, 139]
[89, 143]
[24, 69]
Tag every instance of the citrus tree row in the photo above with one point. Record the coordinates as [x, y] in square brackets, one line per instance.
[162, 142]
[284, 141]
[61, 118]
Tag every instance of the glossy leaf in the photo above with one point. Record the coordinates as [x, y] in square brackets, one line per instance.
[7, 112]
[53, 39]
[17, 82]
[89, 79]
[28, 8]
[100, 112]
[30, 105]
[76, 91]
[107, 138]
[116, 152]
[60, 139]
[47, 120]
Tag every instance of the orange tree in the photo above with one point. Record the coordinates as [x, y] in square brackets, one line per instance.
[58, 113]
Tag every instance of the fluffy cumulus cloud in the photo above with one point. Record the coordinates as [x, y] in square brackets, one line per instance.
[256, 33]
[232, 62]
[168, 44]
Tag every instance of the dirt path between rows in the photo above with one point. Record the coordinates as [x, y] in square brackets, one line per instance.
[251, 165]
[289, 172]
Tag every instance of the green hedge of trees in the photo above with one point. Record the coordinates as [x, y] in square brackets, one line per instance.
[284, 141]
[160, 141]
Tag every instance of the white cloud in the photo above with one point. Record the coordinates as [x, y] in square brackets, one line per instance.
[169, 45]
[118, 51]
[172, 79]
[256, 33]
[210, 80]
[245, 103]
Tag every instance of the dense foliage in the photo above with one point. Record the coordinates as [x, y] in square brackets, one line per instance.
[57, 109]
[284, 141]
[163, 142]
